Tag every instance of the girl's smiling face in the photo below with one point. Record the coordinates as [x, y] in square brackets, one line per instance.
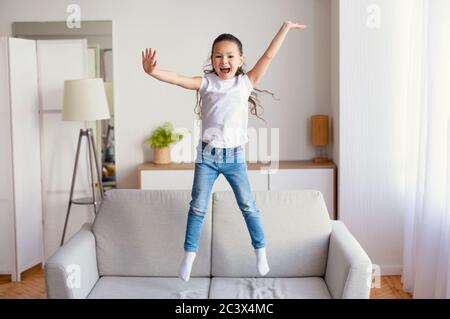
[226, 59]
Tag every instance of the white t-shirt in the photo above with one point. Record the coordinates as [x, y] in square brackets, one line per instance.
[224, 110]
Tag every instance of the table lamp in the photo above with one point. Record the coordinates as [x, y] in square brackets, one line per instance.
[320, 136]
[85, 100]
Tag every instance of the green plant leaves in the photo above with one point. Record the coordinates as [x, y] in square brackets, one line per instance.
[163, 136]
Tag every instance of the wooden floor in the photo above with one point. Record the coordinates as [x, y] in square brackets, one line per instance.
[33, 286]
[390, 288]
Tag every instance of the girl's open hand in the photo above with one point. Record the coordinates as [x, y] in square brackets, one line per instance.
[291, 25]
[149, 60]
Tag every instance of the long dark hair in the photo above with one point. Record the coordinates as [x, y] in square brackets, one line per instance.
[253, 100]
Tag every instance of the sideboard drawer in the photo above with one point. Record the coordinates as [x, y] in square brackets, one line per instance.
[176, 179]
[317, 179]
[183, 179]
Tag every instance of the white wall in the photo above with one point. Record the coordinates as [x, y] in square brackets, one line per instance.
[334, 138]
[182, 32]
[373, 78]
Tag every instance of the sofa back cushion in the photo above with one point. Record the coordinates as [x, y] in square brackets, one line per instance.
[141, 233]
[297, 231]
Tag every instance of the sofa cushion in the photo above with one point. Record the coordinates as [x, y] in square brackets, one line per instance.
[141, 233]
[269, 288]
[297, 231]
[150, 288]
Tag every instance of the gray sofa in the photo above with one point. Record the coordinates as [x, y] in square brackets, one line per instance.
[135, 246]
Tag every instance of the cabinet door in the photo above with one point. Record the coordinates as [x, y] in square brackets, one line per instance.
[6, 181]
[183, 179]
[176, 179]
[25, 153]
[317, 179]
[259, 181]
[167, 179]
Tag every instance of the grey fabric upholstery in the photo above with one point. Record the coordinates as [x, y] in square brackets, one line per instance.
[349, 269]
[72, 271]
[150, 288]
[135, 247]
[269, 288]
[297, 230]
[141, 233]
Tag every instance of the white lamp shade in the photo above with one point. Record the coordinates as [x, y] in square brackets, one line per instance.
[85, 100]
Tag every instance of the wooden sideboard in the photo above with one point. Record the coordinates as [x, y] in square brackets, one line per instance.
[283, 175]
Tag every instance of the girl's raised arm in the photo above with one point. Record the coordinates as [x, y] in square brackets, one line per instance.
[263, 63]
[149, 65]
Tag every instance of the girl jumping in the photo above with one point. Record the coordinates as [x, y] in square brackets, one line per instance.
[226, 94]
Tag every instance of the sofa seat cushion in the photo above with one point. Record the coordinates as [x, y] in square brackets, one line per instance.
[111, 287]
[269, 288]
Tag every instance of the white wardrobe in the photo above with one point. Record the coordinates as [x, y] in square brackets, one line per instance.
[37, 150]
[20, 165]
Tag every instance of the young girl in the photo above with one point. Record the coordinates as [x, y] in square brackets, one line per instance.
[225, 94]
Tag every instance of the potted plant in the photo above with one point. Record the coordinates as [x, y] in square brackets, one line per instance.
[160, 141]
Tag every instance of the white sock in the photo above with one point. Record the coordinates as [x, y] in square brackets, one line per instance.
[186, 265]
[261, 261]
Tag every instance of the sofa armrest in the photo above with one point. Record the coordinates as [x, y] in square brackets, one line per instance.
[71, 272]
[349, 269]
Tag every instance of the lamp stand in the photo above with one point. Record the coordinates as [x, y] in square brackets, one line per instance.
[322, 157]
[319, 160]
[88, 133]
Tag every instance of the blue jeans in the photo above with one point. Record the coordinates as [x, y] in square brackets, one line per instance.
[231, 163]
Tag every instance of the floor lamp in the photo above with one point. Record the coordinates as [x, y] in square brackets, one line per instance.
[85, 100]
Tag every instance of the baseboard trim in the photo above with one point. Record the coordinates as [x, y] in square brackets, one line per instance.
[391, 270]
